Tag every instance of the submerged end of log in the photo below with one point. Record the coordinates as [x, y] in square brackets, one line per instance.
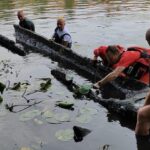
[11, 45]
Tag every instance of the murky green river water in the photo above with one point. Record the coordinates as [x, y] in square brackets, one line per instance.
[91, 23]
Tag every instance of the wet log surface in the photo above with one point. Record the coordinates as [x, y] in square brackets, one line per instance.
[125, 108]
[11, 45]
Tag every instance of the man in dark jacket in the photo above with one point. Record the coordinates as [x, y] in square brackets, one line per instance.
[24, 22]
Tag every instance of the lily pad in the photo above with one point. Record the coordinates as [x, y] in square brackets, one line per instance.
[84, 118]
[88, 110]
[29, 115]
[47, 114]
[57, 118]
[84, 89]
[25, 148]
[62, 117]
[64, 135]
[37, 121]
[53, 121]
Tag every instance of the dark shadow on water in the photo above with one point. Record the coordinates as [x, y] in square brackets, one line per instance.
[80, 133]
[124, 121]
[143, 142]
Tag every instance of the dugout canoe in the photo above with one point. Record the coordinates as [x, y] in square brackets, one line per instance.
[121, 88]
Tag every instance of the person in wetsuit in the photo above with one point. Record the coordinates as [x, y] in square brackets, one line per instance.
[25, 22]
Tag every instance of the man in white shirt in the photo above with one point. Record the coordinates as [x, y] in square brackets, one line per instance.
[61, 35]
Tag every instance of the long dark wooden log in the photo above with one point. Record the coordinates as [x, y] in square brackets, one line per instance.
[126, 108]
[11, 45]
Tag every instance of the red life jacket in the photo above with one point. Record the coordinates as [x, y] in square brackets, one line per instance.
[140, 69]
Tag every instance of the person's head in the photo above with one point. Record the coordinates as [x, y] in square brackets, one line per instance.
[61, 23]
[147, 36]
[20, 15]
[101, 52]
[112, 54]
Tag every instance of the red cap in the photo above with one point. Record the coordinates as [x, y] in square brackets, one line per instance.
[100, 51]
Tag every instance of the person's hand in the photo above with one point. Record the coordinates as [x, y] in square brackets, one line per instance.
[94, 62]
[96, 85]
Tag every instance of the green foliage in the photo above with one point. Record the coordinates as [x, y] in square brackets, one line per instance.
[16, 86]
[84, 89]
[67, 104]
[45, 86]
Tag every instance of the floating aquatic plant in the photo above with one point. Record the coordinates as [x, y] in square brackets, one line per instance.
[88, 110]
[45, 86]
[85, 88]
[84, 118]
[37, 121]
[47, 114]
[29, 115]
[25, 148]
[58, 118]
[64, 135]
[67, 104]
[16, 86]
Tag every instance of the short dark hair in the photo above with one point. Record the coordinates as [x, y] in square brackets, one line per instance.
[147, 36]
[113, 49]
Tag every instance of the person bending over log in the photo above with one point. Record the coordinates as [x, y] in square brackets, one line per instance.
[143, 114]
[61, 34]
[101, 52]
[130, 63]
[25, 22]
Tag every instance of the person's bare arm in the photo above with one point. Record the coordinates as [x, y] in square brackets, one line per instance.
[111, 76]
[147, 99]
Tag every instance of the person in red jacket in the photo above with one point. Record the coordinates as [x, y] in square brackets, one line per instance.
[123, 63]
[143, 115]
